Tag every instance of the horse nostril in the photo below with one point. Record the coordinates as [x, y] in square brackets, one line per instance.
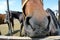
[27, 20]
[28, 23]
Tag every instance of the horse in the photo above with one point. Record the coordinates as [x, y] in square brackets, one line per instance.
[17, 15]
[37, 22]
[2, 17]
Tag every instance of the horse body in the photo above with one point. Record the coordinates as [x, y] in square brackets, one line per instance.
[2, 17]
[13, 14]
[17, 15]
[37, 21]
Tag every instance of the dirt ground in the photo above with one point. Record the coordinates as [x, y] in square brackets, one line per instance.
[4, 28]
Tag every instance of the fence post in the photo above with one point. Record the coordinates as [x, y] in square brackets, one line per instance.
[59, 10]
[8, 15]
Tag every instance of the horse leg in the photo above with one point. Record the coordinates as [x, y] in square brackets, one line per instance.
[12, 23]
[21, 28]
[10, 30]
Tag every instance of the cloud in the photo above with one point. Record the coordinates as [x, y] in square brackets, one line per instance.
[3, 5]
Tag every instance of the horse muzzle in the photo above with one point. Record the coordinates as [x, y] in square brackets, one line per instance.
[33, 28]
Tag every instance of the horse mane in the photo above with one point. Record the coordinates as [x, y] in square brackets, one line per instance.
[54, 19]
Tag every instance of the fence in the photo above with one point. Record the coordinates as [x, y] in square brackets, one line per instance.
[28, 38]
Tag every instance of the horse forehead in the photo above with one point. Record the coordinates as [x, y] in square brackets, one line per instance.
[24, 3]
[31, 4]
[34, 7]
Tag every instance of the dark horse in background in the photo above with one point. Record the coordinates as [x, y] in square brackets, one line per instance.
[38, 22]
[17, 15]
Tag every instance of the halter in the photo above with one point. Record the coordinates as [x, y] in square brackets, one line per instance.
[23, 7]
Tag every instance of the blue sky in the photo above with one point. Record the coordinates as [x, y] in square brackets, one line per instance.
[16, 5]
[52, 4]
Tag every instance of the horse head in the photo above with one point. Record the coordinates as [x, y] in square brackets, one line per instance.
[37, 20]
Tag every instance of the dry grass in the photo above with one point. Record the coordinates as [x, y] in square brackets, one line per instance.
[4, 28]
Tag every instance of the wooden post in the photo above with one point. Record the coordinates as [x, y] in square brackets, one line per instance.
[59, 10]
[8, 15]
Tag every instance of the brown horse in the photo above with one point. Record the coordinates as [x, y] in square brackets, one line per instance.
[37, 22]
[2, 17]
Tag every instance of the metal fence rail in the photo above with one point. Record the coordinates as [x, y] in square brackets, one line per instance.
[28, 38]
